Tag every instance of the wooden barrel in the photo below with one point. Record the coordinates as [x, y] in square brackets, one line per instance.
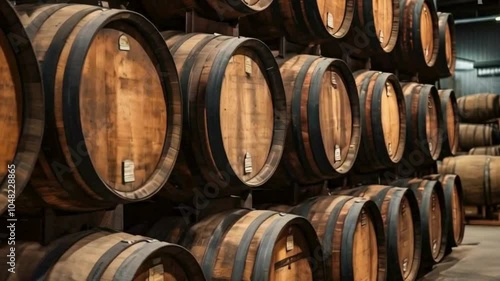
[479, 108]
[102, 255]
[162, 12]
[454, 209]
[250, 245]
[21, 108]
[351, 232]
[400, 212]
[447, 55]
[451, 122]
[324, 130]
[487, 150]
[430, 197]
[425, 123]
[379, 17]
[418, 36]
[383, 114]
[301, 21]
[113, 105]
[476, 135]
[235, 108]
[480, 177]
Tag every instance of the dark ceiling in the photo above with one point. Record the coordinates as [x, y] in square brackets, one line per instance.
[469, 8]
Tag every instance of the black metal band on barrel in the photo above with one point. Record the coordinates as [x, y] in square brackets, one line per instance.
[367, 151]
[313, 117]
[40, 19]
[52, 145]
[263, 257]
[129, 267]
[40, 273]
[304, 208]
[71, 88]
[329, 232]
[487, 183]
[244, 245]
[347, 240]
[296, 112]
[189, 114]
[110, 255]
[288, 261]
[214, 85]
[314, 19]
[208, 261]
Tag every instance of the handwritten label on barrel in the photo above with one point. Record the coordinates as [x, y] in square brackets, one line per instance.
[248, 163]
[248, 65]
[289, 243]
[329, 20]
[338, 157]
[123, 43]
[128, 171]
[156, 273]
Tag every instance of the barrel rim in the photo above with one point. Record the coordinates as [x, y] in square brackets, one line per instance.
[317, 144]
[431, 186]
[171, 91]
[212, 104]
[264, 257]
[392, 230]
[446, 20]
[367, 13]
[348, 237]
[448, 95]
[32, 130]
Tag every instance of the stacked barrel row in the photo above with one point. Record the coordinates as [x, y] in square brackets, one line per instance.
[480, 138]
[479, 128]
[410, 34]
[172, 112]
[117, 139]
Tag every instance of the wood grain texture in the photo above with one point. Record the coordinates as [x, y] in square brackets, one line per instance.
[400, 213]
[324, 124]
[21, 108]
[351, 232]
[247, 117]
[252, 245]
[451, 119]
[418, 42]
[431, 199]
[235, 108]
[479, 175]
[425, 120]
[11, 107]
[161, 12]
[384, 126]
[124, 109]
[302, 22]
[476, 135]
[487, 150]
[454, 208]
[92, 253]
[386, 22]
[479, 108]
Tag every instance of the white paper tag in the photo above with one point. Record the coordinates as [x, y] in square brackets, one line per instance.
[338, 157]
[156, 273]
[389, 149]
[248, 163]
[329, 21]
[248, 65]
[381, 36]
[289, 243]
[124, 43]
[128, 171]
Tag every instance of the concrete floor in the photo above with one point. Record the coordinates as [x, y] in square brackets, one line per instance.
[477, 259]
